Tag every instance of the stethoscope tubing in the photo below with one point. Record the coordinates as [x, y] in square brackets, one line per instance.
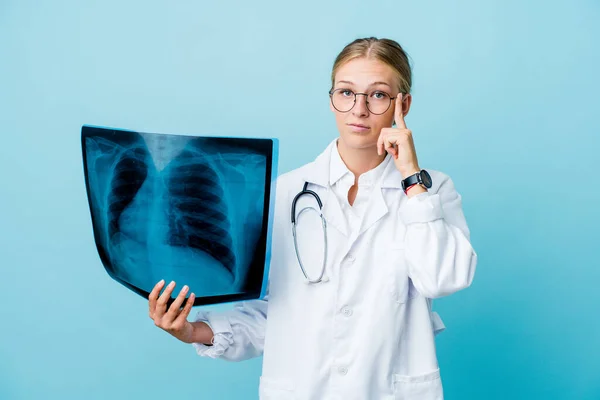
[305, 191]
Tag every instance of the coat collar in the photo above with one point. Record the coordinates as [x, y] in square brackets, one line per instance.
[318, 173]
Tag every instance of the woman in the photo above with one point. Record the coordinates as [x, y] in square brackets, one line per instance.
[366, 329]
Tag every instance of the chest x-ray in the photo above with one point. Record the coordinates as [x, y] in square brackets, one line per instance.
[196, 210]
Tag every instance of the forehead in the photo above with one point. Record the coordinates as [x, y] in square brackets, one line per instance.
[363, 72]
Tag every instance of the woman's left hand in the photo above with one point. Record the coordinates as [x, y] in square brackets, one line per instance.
[399, 143]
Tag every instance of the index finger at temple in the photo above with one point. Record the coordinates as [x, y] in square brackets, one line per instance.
[398, 112]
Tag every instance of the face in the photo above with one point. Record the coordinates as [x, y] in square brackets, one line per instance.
[359, 128]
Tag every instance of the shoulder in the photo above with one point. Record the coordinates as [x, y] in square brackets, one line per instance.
[312, 171]
[293, 176]
[289, 181]
[288, 184]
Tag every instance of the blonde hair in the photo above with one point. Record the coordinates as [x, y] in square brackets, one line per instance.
[385, 50]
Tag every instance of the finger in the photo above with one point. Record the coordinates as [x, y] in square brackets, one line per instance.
[188, 307]
[398, 112]
[176, 305]
[390, 141]
[389, 145]
[161, 304]
[153, 296]
[381, 142]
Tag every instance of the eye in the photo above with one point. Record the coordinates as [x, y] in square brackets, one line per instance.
[346, 92]
[379, 95]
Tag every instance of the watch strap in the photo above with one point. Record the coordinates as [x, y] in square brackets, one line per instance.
[411, 180]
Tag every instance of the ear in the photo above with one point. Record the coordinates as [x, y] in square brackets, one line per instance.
[406, 102]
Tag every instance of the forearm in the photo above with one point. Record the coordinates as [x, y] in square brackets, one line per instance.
[238, 333]
[202, 333]
[440, 258]
[437, 244]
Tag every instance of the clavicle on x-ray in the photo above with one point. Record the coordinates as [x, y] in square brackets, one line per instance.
[196, 210]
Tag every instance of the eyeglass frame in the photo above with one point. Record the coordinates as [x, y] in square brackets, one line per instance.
[332, 91]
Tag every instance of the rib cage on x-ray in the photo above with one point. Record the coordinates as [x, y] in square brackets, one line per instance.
[130, 172]
[176, 207]
[197, 199]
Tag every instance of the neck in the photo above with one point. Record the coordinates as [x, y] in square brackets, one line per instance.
[359, 161]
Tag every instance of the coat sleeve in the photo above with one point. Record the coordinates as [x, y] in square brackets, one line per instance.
[437, 244]
[238, 334]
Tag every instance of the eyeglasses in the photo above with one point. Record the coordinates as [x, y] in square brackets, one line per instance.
[343, 100]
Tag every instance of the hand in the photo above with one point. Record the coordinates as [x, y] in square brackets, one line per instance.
[174, 320]
[399, 143]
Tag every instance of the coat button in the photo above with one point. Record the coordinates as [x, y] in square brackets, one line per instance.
[342, 370]
[347, 311]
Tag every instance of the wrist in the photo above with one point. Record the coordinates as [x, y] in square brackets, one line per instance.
[408, 171]
[415, 190]
[202, 333]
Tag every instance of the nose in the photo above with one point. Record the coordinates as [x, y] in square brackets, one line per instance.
[360, 106]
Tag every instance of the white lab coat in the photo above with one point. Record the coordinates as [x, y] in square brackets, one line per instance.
[368, 332]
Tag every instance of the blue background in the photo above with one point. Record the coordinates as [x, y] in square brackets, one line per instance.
[505, 102]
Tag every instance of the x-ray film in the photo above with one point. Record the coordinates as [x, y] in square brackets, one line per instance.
[193, 209]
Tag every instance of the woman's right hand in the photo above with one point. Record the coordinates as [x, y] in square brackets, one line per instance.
[174, 319]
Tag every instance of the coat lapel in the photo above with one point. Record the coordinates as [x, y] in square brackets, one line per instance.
[317, 173]
[376, 210]
[378, 207]
[333, 213]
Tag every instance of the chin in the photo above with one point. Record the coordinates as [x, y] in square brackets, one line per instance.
[358, 141]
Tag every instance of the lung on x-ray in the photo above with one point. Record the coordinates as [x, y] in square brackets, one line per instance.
[193, 209]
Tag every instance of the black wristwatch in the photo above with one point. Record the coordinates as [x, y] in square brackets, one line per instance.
[422, 178]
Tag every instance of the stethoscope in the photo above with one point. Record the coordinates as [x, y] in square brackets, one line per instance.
[305, 191]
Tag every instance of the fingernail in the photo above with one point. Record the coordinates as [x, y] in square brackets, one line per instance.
[161, 281]
[172, 283]
[185, 288]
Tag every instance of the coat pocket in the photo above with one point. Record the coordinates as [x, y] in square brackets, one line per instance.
[419, 387]
[275, 389]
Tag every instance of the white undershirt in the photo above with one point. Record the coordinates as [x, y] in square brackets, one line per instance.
[341, 180]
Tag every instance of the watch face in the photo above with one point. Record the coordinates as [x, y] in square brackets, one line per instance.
[426, 178]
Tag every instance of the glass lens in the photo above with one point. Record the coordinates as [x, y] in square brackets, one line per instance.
[378, 102]
[342, 99]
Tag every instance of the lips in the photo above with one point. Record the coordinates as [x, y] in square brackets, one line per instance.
[358, 128]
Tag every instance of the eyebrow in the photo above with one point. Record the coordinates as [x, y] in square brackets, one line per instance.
[372, 84]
